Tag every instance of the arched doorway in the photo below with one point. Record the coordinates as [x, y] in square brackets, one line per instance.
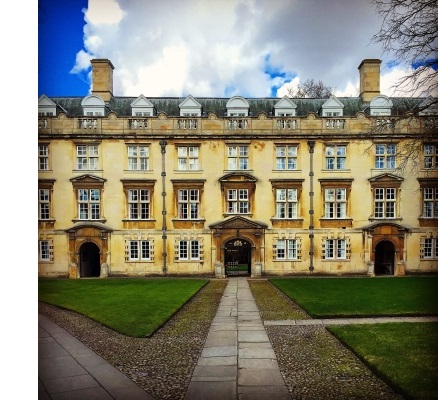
[237, 257]
[384, 258]
[89, 260]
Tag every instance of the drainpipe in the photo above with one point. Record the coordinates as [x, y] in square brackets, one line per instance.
[311, 144]
[163, 144]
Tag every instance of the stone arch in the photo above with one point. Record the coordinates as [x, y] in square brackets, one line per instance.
[89, 259]
[238, 256]
[384, 257]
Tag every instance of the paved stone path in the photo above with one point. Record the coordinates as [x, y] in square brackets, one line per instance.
[69, 370]
[237, 361]
[356, 320]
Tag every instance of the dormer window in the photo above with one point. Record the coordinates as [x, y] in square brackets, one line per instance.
[380, 106]
[46, 107]
[190, 107]
[93, 105]
[237, 106]
[142, 107]
[429, 106]
[285, 107]
[332, 107]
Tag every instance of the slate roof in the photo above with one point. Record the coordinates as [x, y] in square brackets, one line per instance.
[121, 106]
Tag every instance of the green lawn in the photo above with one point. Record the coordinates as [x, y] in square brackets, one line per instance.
[134, 307]
[404, 354]
[385, 296]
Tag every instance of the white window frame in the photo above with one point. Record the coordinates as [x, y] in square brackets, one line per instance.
[139, 203]
[430, 153]
[43, 157]
[335, 203]
[138, 157]
[87, 157]
[140, 250]
[286, 203]
[335, 156]
[89, 203]
[189, 250]
[430, 202]
[43, 204]
[238, 201]
[429, 248]
[238, 157]
[286, 157]
[335, 249]
[385, 202]
[45, 250]
[385, 156]
[287, 250]
[188, 203]
[188, 158]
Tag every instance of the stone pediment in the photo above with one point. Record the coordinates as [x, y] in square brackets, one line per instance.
[386, 178]
[333, 102]
[87, 178]
[238, 177]
[88, 229]
[371, 227]
[190, 102]
[238, 222]
[45, 102]
[142, 102]
[285, 103]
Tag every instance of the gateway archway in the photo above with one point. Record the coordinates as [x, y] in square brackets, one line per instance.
[384, 258]
[89, 260]
[237, 257]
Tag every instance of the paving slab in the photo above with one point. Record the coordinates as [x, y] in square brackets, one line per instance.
[69, 370]
[237, 361]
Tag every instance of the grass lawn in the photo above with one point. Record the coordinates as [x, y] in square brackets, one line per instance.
[404, 354]
[385, 296]
[134, 307]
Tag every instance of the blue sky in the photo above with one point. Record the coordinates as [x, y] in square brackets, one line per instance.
[60, 37]
[251, 48]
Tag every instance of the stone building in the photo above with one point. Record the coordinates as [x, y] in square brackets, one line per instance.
[143, 186]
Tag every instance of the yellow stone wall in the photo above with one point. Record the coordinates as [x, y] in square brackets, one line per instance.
[112, 134]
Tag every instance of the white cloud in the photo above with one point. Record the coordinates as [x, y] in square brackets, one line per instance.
[103, 12]
[393, 77]
[181, 47]
[82, 62]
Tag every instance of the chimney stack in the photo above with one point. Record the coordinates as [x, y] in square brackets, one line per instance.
[102, 70]
[369, 74]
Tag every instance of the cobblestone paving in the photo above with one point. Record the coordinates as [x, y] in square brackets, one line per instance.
[314, 364]
[161, 364]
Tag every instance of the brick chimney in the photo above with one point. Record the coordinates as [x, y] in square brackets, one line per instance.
[369, 74]
[102, 78]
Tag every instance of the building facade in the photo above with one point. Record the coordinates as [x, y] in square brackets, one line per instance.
[138, 186]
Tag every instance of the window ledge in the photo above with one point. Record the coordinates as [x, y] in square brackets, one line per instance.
[289, 171]
[336, 170]
[138, 171]
[226, 171]
[102, 220]
[286, 219]
[385, 219]
[138, 219]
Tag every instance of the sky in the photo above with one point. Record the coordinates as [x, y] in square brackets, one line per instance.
[207, 48]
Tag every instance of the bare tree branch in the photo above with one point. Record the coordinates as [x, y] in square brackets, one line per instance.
[311, 89]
